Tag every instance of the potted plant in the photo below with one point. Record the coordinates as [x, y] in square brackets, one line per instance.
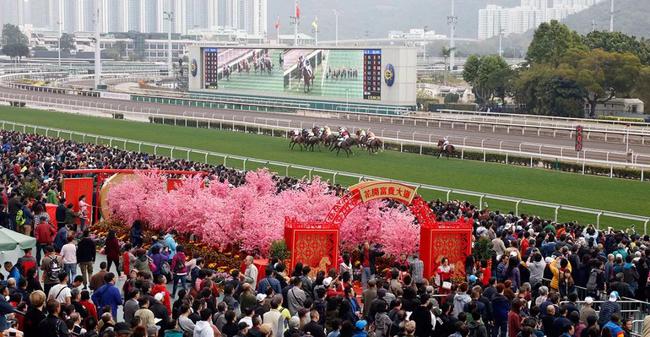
[483, 251]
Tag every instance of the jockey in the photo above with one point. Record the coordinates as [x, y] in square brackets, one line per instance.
[445, 143]
[343, 133]
[371, 135]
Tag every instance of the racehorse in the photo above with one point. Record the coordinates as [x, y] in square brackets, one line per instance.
[308, 77]
[328, 137]
[374, 145]
[446, 150]
[312, 141]
[295, 138]
[345, 145]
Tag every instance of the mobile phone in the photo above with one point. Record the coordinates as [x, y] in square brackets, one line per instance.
[12, 333]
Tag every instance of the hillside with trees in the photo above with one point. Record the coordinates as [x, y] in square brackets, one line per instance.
[564, 71]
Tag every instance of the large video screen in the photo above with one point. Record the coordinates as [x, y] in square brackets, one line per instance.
[334, 73]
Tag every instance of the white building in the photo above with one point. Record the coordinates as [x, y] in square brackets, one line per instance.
[145, 16]
[494, 20]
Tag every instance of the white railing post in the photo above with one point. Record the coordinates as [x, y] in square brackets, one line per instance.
[448, 194]
[598, 219]
[557, 211]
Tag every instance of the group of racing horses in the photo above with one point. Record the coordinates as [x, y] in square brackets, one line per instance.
[308, 139]
[342, 140]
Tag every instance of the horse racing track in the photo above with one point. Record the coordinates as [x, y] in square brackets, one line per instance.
[618, 195]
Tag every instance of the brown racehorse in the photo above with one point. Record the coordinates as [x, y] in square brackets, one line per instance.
[375, 145]
[295, 138]
[448, 151]
[345, 145]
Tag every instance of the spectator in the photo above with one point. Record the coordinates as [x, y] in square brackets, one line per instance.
[86, 254]
[608, 309]
[179, 269]
[251, 273]
[108, 294]
[53, 325]
[97, 280]
[60, 292]
[45, 234]
[112, 251]
[69, 256]
[35, 314]
[613, 325]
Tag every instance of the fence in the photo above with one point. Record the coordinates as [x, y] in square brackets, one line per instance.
[571, 120]
[248, 162]
[600, 163]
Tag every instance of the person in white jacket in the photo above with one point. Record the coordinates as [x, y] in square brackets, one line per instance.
[203, 328]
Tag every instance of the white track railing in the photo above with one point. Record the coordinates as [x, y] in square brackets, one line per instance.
[420, 141]
[485, 123]
[212, 157]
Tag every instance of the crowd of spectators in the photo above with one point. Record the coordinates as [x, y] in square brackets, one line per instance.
[544, 278]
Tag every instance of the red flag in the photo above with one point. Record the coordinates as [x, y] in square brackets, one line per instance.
[277, 23]
[297, 10]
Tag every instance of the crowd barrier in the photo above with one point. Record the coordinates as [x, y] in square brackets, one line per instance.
[310, 171]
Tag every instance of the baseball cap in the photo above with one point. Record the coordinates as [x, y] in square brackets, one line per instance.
[260, 297]
[613, 296]
[327, 281]
[472, 278]
[589, 300]
[361, 324]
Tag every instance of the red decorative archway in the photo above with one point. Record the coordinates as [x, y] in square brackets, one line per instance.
[452, 239]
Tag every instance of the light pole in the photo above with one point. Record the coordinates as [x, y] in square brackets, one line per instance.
[452, 20]
[336, 27]
[501, 31]
[98, 50]
[424, 45]
[169, 16]
[60, 24]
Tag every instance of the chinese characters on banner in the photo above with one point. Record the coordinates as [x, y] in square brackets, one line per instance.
[383, 190]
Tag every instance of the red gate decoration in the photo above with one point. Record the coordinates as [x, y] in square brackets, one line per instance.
[452, 240]
[92, 191]
[75, 188]
[173, 183]
[311, 243]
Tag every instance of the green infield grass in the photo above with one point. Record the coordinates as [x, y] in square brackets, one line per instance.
[616, 195]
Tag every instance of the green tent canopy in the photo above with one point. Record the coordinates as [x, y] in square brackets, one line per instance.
[9, 240]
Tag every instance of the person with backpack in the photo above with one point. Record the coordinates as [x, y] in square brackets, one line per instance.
[476, 326]
[44, 234]
[26, 262]
[596, 281]
[86, 254]
[51, 265]
[25, 220]
[179, 269]
[61, 292]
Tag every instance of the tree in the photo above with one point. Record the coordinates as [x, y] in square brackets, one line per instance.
[546, 90]
[620, 43]
[642, 89]
[14, 43]
[603, 75]
[550, 43]
[445, 52]
[67, 43]
[490, 76]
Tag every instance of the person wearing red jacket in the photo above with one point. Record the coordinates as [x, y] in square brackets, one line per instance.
[179, 269]
[161, 287]
[45, 234]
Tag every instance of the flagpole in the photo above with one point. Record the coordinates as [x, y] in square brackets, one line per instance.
[295, 27]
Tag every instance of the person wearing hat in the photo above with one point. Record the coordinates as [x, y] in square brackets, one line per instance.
[294, 327]
[587, 309]
[609, 308]
[313, 328]
[360, 329]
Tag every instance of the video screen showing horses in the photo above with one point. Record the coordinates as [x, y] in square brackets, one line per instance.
[294, 72]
